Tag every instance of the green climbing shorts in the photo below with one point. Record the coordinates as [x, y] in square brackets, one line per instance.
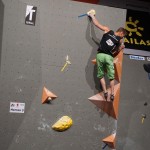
[105, 64]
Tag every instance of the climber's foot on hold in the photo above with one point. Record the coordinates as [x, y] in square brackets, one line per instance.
[112, 97]
[105, 95]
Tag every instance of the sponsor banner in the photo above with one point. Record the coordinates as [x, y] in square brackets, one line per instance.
[17, 107]
[136, 57]
[30, 16]
[138, 29]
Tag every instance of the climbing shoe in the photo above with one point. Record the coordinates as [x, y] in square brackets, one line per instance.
[106, 95]
[112, 97]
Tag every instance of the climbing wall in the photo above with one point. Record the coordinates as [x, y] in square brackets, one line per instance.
[133, 129]
[1, 27]
[33, 60]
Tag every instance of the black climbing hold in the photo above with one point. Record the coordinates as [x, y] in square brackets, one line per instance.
[145, 104]
[147, 67]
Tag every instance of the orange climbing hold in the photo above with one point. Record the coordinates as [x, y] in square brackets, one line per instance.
[118, 66]
[94, 61]
[110, 140]
[47, 95]
[109, 107]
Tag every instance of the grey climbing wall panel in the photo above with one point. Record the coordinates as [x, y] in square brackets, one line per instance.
[135, 94]
[1, 27]
[32, 57]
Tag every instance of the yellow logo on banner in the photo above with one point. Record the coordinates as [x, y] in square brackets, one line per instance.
[134, 29]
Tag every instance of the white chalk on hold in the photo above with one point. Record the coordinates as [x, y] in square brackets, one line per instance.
[49, 98]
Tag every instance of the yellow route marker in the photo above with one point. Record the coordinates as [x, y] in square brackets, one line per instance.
[64, 66]
[67, 63]
[143, 117]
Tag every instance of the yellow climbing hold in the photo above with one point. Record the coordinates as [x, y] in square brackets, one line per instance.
[63, 123]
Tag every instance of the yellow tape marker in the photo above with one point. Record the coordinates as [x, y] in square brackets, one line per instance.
[143, 120]
[64, 66]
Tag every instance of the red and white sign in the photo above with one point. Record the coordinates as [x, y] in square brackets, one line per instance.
[17, 107]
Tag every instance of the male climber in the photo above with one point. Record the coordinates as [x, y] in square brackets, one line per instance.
[110, 44]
